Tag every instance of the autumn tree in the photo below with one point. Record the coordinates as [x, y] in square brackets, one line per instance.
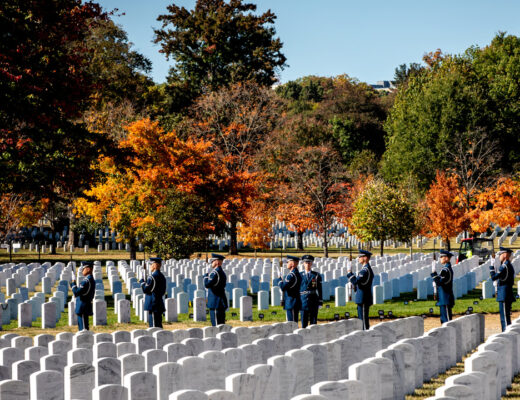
[217, 44]
[381, 212]
[498, 204]
[256, 230]
[297, 214]
[446, 217]
[133, 196]
[17, 211]
[318, 182]
[236, 122]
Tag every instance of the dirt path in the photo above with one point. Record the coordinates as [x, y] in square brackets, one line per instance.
[492, 322]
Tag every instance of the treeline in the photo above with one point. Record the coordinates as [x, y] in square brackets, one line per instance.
[88, 139]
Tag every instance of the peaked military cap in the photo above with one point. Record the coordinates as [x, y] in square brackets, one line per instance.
[504, 250]
[308, 257]
[445, 253]
[156, 260]
[215, 256]
[293, 258]
[89, 264]
[363, 253]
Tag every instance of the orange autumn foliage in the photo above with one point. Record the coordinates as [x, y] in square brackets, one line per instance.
[256, 230]
[445, 217]
[499, 204]
[157, 160]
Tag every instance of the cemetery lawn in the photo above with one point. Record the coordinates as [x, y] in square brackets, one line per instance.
[404, 306]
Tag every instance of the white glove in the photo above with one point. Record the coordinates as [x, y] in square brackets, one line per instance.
[434, 266]
[492, 261]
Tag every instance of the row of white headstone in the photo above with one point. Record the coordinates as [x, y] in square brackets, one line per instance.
[401, 367]
[489, 371]
[71, 365]
[155, 364]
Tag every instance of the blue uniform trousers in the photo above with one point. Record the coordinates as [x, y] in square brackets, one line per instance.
[309, 317]
[155, 319]
[292, 315]
[217, 316]
[82, 322]
[504, 307]
[446, 313]
[362, 313]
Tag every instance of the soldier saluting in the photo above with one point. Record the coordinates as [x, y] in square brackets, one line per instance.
[154, 289]
[444, 282]
[84, 294]
[215, 282]
[363, 284]
[506, 279]
[310, 292]
[290, 287]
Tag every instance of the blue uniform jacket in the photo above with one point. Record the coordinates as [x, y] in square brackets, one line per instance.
[154, 289]
[310, 291]
[444, 282]
[291, 289]
[506, 281]
[84, 294]
[215, 282]
[363, 285]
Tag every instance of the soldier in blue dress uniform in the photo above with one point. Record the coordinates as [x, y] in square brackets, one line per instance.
[506, 280]
[290, 287]
[310, 292]
[84, 294]
[154, 289]
[363, 287]
[444, 282]
[215, 282]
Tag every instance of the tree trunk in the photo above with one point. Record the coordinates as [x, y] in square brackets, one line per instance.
[233, 242]
[72, 221]
[448, 245]
[411, 248]
[299, 245]
[133, 249]
[53, 240]
[382, 247]
[325, 243]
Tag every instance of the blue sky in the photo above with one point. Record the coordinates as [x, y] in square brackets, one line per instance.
[364, 39]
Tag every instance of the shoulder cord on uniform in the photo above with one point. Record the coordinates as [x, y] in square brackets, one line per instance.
[507, 274]
[295, 280]
[449, 272]
[368, 276]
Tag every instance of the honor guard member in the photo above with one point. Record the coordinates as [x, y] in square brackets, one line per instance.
[154, 289]
[84, 294]
[444, 282]
[506, 279]
[215, 282]
[290, 287]
[363, 286]
[310, 292]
